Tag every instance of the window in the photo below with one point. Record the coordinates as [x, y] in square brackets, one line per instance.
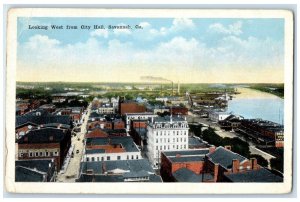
[98, 158]
[47, 153]
[176, 146]
[127, 157]
[168, 139]
[165, 147]
[41, 153]
[118, 157]
[168, 147]
[156, 147]
[93, 159]
[137, 156]
[21, 155]
[180, 139]
[87, 159]
[36, 154]
[108, 158]
[160, 147]
[31, 154]
[132, 157]
[156, 140]
[51, 153]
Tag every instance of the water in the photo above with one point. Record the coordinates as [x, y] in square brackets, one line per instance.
[256, 104]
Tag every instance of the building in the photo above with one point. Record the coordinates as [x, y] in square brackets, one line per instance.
[110, 149]
[37, 118]
[130, 107]
[117, 171]
[260, 175]
[98, 132]
[37, 170]
[106, 109]
[263, 131]
[48, 107]
[192, 160]
[138, 116]
[223, 161]
[218, 116]
[45, 143]
[232, 122]
[178, 110]
[166, 134]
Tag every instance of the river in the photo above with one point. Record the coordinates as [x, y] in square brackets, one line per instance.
[256, 104]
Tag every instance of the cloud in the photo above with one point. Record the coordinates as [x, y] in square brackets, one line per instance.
[174, 57]
[99, 33]
[178, 24]
[232, 29]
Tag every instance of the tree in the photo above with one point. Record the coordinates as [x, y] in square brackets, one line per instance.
[277, 164]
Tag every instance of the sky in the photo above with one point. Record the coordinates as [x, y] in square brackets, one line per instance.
[196, 50]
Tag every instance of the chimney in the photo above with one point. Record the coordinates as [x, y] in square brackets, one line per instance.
[212, 149]
[103, 167]
[235, 166]
[253, 162]
[216, 172]
[228, 147]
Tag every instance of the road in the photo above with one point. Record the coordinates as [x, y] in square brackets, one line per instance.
[222, 133]
[72, 170]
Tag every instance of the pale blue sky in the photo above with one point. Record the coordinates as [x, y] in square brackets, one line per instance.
[187, 50]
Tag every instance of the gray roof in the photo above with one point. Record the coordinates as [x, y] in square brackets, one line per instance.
[43, 136]
[195, 142]
[40, 117]
[127, 165]
[141, 173]
[127, 142]
[27, 175]
[186, 175]
[34, 170]
[168, 119]
[187, 152]
[224, 157]
[187, 158]
[94, 151]
[261, 175]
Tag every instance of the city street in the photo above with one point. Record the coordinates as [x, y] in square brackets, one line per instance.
[72, 170]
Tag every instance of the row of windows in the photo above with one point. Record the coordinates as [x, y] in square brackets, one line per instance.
[171, 126]
[160, 133]
[170, 147]
[40, 154]
[165, 140]
[108, 158]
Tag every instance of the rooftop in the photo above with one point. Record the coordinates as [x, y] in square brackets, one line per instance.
[126, 142]
[260, 175]
[43, 135]
[117, 167]
[39, 117]
[224, 157]
[193, 152]
[186, 175]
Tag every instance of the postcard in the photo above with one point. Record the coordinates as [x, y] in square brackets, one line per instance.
[149, 101]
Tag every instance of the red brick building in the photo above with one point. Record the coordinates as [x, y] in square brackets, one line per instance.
[223, 161]
[131, 107]
[177, 110]
[45, 143]
[172, 161]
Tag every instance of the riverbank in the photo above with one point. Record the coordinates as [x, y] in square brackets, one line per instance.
[274, 89]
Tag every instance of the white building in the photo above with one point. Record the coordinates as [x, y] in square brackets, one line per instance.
[106, 109]
[110, 149]
[138, 116]
[218, 116]
[166, 134]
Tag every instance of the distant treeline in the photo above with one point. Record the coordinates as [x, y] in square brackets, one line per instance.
[275, 89]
